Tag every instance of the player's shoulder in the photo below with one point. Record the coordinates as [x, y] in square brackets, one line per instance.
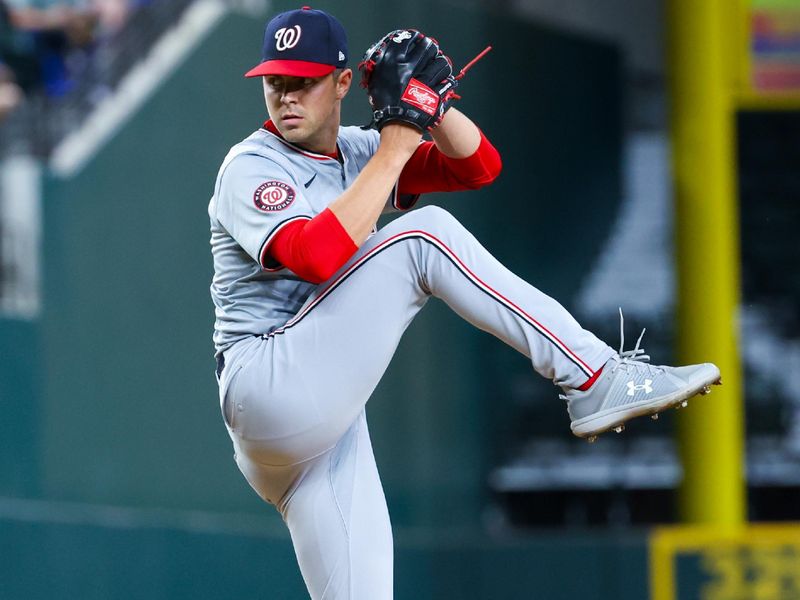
[259, 143]
[257, 152]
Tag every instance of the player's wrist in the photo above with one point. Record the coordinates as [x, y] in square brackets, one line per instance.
[400, 139]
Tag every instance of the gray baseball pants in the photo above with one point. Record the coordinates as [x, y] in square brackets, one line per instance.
[293, 400]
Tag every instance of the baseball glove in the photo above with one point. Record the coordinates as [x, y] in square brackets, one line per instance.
[408, 78]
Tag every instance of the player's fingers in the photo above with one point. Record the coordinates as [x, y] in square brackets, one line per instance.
[435, 71]
[421, 50]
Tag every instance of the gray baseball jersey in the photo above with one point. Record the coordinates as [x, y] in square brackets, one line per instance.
[298, 426]
[264, 184]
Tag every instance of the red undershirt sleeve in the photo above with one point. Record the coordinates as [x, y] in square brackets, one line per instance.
[314, 249]
[428, 170]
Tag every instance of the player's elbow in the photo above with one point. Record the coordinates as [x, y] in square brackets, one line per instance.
[493, 165]
[317, 273]
[486, 175]
[485, 168]
[322, 263]
[320, 248]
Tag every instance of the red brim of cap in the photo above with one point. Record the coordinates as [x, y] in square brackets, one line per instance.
[293, 68]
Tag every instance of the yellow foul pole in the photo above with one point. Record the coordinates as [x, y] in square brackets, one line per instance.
[701, 52]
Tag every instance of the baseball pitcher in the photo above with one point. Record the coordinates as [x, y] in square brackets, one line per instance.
[311, 299]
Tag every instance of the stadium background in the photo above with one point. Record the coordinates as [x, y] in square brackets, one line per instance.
[116, 475]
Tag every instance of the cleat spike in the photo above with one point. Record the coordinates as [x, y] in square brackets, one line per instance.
[619, 428]
[654, 416]
[706, 390]
[591, 439]
[684, 404]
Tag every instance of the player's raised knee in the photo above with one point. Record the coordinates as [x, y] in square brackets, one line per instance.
[435, 218]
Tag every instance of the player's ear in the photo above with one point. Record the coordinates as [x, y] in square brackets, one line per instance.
[343, 83]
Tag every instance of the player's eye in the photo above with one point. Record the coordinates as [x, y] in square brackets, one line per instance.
[274, 83]
[300, 83]
[281, 84]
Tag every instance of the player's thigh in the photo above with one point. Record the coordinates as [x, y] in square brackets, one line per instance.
[295, 392]
[271, 412]
[343, 339]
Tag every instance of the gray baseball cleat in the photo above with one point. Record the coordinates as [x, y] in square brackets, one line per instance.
[630, 386]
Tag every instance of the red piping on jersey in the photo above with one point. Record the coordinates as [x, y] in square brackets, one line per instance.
[270, 126]
[466, 271]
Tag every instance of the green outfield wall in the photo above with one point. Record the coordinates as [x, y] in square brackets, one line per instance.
[136, 561]
[20, 401]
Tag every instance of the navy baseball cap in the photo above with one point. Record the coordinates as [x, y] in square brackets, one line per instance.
[302, 43]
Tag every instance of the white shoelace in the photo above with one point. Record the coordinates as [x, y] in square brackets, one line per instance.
[636, 358]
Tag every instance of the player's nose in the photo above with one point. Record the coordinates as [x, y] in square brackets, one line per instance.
[289, 96]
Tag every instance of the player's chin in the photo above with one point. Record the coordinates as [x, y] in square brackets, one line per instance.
[294, 132]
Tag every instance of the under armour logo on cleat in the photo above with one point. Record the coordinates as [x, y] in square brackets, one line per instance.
[646, 387]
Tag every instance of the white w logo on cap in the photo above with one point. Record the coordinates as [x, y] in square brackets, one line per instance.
[287, 37]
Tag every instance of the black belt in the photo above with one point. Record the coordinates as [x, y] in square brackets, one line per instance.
[220, 365]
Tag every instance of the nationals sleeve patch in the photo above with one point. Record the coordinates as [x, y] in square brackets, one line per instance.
[271, 196]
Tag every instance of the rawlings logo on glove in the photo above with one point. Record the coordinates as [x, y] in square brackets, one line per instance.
[421, 96]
